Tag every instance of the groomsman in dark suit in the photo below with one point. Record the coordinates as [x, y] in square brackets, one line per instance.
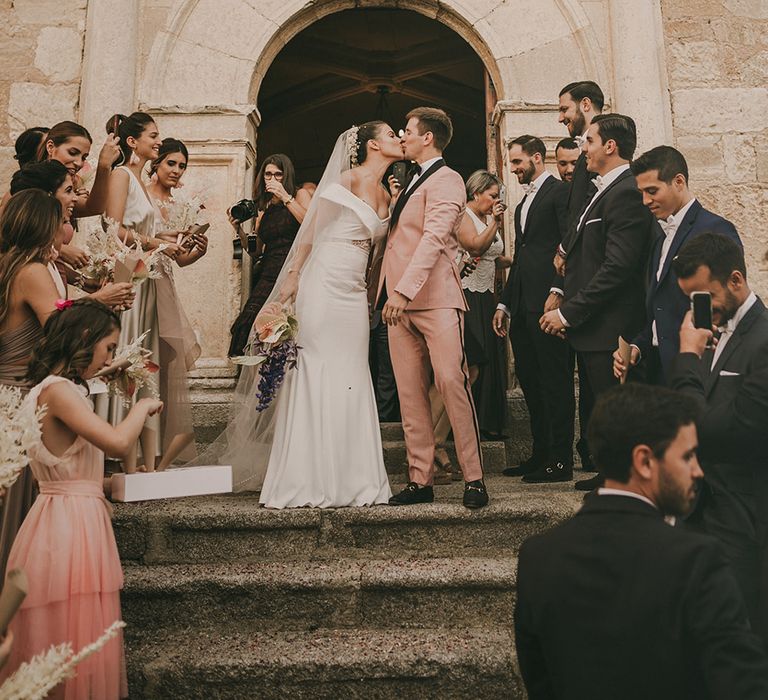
[542, 362]
[731, 383]
[604, 290]
[662, 177]
[614, 603]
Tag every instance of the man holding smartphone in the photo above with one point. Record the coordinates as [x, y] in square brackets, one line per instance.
[730, 380]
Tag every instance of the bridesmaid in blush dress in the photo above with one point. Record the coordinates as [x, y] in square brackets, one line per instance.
[66, 544]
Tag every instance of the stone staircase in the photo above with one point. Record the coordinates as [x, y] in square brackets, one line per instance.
[224, 599]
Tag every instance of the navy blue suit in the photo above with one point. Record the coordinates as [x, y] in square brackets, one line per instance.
[665, 301]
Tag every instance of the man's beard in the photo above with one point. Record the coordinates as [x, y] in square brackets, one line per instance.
[528, 174]
[672, 499]
[578, 124]
[728, 311]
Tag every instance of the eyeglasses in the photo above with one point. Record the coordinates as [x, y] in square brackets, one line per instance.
[269, 176]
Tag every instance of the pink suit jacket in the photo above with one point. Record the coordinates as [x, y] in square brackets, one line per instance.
[420, 253]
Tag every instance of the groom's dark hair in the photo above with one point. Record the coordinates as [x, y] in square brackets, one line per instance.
[434, 120]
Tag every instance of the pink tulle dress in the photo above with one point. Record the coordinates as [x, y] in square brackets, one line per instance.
[67, 548]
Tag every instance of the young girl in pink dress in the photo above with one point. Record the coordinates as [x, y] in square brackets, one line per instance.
[66, 544]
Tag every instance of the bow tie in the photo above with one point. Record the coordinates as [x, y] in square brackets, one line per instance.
[668, 225]
[580, 141]
[417, 170]
[728, 328]
[600, 183]
[529, 189]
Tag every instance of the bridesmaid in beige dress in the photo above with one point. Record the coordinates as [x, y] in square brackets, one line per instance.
[178, 345]
[129, 203]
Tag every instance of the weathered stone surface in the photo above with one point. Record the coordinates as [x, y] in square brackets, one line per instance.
[740, 158]
[749, 9]
[720, 110]
[33, 103]
[694, 62]
[50, 12]
[59, 53]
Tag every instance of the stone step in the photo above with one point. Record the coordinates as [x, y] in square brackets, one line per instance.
[234, 528]
[326, 665]
[382, 593]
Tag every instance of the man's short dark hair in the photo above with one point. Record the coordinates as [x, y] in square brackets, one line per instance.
[718, 252]
[619, 128]
[585, 88]
[567, 144]
[530, 145]
[667, 160]
[434, 120]
[635, 414]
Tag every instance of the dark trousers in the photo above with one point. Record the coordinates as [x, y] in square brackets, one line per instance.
[383, 375]
[596, 374]
[650, 369]
[543, 368]
[586, 402]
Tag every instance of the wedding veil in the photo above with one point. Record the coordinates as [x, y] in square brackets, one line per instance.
[246, 442]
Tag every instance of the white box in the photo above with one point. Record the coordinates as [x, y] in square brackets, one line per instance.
[172, 483]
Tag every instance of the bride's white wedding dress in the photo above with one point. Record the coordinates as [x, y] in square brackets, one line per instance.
[326, 449]
[318, 443]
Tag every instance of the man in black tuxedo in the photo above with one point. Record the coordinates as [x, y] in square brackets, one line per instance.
[604, 288]
[731, 383]
[542, 362]
[662, 177]
[616, 603]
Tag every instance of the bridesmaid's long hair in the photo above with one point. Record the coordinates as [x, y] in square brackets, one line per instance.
[283, 162]
[28, 228]
[69, 337]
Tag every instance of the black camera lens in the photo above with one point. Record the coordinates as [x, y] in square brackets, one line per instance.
[242, 211]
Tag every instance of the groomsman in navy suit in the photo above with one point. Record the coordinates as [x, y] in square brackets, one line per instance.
[662, 177]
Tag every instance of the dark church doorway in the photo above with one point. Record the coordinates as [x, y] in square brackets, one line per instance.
[362, 64]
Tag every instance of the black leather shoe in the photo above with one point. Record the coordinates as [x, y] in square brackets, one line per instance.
[529, 466]
[557, 471]
[590, 484]
[413, 493]
[475, 495]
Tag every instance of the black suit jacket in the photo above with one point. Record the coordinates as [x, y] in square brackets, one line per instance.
[615, 603]
[665, 302]
[531, 271]
[582, 189]
[734, 397]
[605, 272]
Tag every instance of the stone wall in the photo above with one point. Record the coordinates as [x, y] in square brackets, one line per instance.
[717, 63]
[41, 52]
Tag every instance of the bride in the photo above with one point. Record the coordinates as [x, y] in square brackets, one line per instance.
[318, 443]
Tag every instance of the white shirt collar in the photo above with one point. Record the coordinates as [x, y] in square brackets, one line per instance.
[683, 211]
[539, 181]
[612, 175]
[631, 494]
[428, 164]
[741, 312]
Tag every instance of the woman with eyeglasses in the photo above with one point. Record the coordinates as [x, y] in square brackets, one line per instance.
[281, 208]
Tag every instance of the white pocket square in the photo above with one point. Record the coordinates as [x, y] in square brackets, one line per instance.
[726, 373]
[592, 221]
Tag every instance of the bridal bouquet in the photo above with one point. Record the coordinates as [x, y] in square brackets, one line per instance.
[34, 679]
[182, 212]
[137, 370]
[105, 250]
[19, 430]
[272, 347]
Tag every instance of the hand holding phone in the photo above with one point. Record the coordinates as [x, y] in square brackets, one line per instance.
[701, 307]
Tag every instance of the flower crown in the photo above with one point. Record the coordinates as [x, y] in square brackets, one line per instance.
[352, 145]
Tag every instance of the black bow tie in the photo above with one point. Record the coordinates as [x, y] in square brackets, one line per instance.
[416, 169]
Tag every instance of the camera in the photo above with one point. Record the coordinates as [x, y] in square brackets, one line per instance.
[244, 209]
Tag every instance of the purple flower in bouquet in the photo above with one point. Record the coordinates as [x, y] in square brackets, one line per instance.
[272, 348]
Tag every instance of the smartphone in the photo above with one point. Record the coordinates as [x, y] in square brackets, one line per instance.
[187, 240]
[400, 172]
[701, 308]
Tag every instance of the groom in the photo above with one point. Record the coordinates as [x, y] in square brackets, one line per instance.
[423, 305]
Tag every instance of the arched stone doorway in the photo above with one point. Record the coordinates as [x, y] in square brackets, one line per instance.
[363, 64]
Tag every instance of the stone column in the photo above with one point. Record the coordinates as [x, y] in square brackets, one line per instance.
[640, 88]
[109, 63]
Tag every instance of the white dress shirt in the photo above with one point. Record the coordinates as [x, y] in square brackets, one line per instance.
[424, 167]
[529, 197]
[669, 519]
[727, 331]
[601, 182]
